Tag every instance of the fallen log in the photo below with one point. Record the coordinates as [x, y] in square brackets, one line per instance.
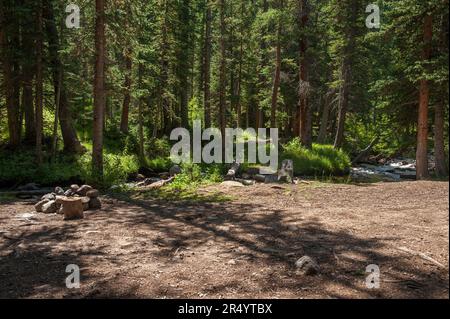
[365, 152]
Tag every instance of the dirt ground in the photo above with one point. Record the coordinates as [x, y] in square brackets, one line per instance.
[242, 248]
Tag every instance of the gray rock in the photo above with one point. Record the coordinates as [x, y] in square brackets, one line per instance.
[95, 203]
[74, 187]
[175, 170]
[232, 184]
[50, 207]
[269, 179]
[38, 206]
[83, 190]
[92, 193]
[69, 192]
[307, 266]
[259, 178]
[50, 196]
[286, 172]
[59, 191]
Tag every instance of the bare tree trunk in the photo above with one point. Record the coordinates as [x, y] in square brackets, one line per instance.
[39, 84]
[140, 119]
[207, 66]
[127, 95]
[304, 113]
[222, 79]
[276, 80]
[55, 124]
[12, 107]
[439, 148]
[325, 117]
[422, 123]
[99, 89]
[69, 134]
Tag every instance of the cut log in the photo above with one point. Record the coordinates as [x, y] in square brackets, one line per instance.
[233, 171]
[71, 208]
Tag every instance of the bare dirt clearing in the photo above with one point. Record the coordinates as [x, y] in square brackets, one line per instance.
[243, 248]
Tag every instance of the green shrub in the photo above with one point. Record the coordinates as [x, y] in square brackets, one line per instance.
[20, 167]
[319, 161]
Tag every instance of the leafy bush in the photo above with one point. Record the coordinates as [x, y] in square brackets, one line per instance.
[320, 160]
[20, 167]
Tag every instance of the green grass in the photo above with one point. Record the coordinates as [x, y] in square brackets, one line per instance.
[321, 160]
[19, 167]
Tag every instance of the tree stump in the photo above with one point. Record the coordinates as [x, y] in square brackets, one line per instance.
[71, 207]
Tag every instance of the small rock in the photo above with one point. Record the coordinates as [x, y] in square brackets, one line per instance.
[286, 173]
[74, 187]
[95, 203]
[175, 170]
[38, 206]
[69, 193]
[232, 184]
[50, 196]
[83, 190]
[232, 262]
[269, 179]
[92, 193]
[259, 178]
[307, 266]
[50, 207]
[59, 191]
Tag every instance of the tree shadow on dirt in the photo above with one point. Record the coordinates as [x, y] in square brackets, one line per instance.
[262, 236]
[32, 266]
[32, 262]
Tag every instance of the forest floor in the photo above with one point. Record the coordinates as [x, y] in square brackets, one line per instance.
[243, 247]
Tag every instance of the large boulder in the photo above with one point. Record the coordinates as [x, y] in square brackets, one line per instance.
[50, 207]
[82, 191]
[72, 208]
[95, 203]
[49, 197]
[59, 191]
[92, 193]
[39, 205]
[85, 200]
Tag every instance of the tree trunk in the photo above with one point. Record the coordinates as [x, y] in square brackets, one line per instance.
[12, 107]
[439, 148]
[28, 68]
[207, 66]
[422, 123]
[276, 80]
[39, 84]
[69, 134]
[99, 89]
[140, 119]
[304, 113]
[222, 79]
[127, 95]
[322, 137]
[346, 77]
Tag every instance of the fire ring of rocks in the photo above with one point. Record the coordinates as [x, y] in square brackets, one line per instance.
[70, 203]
